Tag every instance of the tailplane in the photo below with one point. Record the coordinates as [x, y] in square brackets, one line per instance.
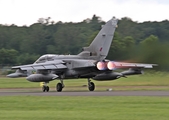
[101, 44]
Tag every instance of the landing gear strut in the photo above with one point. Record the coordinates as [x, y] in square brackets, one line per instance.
[91, 85]
[60, 86]
[45, 87]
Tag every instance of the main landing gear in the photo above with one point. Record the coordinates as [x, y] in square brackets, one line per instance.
[91, 85]
[45, 87]
[60, 86]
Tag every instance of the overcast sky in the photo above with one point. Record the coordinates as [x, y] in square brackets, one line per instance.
[27, 12]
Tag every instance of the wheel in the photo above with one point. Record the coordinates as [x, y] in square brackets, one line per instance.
[59, 87]
[91, 86]
[47, 88]
[43, 88]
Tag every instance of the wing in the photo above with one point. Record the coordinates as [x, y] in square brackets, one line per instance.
[57, 65]
[111, 65]
[26, 70]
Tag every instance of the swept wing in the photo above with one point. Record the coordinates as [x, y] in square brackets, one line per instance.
[57, 65]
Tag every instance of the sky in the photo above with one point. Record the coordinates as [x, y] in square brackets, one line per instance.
[27, 12]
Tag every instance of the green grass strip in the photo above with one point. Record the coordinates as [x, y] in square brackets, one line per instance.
[83, 108]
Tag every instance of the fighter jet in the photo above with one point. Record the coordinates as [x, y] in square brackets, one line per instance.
[91, 63]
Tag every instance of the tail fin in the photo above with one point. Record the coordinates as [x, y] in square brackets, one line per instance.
[101, 43]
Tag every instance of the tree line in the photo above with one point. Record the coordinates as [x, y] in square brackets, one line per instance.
[136, 42]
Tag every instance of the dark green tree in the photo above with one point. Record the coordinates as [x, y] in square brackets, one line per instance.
[8, 56]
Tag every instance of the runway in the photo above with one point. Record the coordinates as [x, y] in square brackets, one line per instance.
[82, 93]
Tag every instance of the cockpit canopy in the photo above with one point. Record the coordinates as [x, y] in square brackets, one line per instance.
[44, 58]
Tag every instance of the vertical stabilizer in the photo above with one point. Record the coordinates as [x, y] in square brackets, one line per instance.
[101, 44]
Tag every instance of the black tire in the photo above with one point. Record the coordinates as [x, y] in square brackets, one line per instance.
[47, 88]
[91, 86]
[59, 87]
[43, 88]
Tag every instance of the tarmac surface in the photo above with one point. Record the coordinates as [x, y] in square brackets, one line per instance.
[23, 92]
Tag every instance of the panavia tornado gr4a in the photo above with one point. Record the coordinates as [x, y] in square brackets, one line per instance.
[91, 63]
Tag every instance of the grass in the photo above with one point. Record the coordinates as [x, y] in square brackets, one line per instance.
[88, 107]
[83, 108]
[148, 81]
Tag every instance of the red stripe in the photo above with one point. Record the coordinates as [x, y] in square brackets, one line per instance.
[101, 49]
